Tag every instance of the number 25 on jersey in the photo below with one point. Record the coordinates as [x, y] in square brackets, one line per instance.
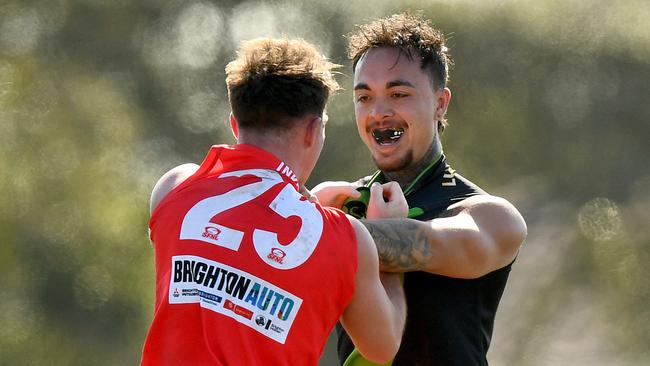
[197, 223]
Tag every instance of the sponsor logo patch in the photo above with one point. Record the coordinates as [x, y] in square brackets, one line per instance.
[211, 232]
[277, 255]
[234, 293]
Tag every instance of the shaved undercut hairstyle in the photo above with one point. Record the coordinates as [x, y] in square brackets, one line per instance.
[414, 37]
[274, 82]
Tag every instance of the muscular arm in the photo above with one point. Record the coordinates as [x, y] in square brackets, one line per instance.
[472, 238]
[402, 244]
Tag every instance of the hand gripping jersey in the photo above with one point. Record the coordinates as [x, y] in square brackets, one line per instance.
[248, 272]
[449, 321]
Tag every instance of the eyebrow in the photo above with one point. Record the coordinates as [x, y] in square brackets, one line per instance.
[398, 82]
[361, 86]
[390, 84]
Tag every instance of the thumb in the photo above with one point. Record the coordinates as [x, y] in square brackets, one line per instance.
[352, 192]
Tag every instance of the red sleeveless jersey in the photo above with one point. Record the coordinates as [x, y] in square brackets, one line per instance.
[248, 272]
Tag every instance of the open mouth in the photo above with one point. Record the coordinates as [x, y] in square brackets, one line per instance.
[387, 136]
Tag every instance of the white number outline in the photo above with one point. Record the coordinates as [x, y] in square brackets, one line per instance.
[287, 203]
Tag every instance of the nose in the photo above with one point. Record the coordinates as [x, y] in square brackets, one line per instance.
[381, 110]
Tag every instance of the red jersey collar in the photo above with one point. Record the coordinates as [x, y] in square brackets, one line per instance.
[245, 156]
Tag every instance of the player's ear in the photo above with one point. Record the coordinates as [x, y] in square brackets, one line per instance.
[233, 126]
[443, 98]
[312, 130]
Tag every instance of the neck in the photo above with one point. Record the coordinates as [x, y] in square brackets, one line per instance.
[278, 146]
[407, 176]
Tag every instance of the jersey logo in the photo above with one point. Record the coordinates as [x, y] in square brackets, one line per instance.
[277, 255]
[286, 171]
[198, 225]
[239, 295]
[449, 177]
[211, 232]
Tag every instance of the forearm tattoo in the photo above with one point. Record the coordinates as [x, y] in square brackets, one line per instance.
[402, 244]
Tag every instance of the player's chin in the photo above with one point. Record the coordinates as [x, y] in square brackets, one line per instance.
[393, 162]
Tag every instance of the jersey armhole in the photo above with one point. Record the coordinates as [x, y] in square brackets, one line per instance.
[205, 167]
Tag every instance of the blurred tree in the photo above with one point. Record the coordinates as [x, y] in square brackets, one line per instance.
[99, 98]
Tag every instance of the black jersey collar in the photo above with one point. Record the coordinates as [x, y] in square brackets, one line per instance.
[432, 171]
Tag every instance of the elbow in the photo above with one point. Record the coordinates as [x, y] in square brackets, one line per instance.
[380, 358]
[385, 353]
[393, 347]
[392, 351]
[386, 346]
[388, 356]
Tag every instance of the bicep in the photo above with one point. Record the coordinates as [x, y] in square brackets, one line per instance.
[484, 234]
[459, 249]
[367, 290]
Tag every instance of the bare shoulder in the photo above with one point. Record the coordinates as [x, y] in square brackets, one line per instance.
[169, 181]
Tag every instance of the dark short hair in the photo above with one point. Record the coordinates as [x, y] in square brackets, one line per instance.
[273, 82]
[407, 32]
[414, 37]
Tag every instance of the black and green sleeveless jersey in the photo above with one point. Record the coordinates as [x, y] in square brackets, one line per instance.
[449, 320]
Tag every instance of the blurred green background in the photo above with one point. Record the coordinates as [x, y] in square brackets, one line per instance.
[98, 98]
